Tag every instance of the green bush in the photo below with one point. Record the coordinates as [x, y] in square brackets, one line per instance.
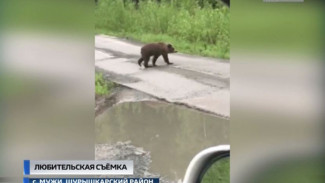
[190, 27]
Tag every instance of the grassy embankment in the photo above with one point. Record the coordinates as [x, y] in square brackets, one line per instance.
[102, 86]
[190, 27]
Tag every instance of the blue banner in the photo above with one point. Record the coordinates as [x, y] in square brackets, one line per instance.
[26, 167]
[91, 180]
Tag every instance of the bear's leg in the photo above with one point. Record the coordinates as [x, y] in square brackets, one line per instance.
[146, 60]
[154, 60]
[166, 59]
[140, 61]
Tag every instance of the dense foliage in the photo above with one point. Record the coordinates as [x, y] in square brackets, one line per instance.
[197, 27]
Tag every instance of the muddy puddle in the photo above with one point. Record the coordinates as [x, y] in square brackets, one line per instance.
[164, 135]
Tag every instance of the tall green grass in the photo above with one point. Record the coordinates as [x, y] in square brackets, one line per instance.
[190, 27]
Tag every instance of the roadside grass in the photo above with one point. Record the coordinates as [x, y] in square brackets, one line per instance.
[218, 172]
[190, 28]
[102, 86]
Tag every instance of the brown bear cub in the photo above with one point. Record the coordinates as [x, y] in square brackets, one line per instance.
[155, 50]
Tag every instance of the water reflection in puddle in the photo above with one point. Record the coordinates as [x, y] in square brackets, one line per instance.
[172, 134]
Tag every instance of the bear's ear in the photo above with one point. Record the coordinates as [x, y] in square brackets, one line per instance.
[169, 45]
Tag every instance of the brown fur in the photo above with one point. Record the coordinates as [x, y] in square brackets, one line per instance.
[155, 50]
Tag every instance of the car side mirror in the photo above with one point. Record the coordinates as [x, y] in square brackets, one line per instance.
[209, 164]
